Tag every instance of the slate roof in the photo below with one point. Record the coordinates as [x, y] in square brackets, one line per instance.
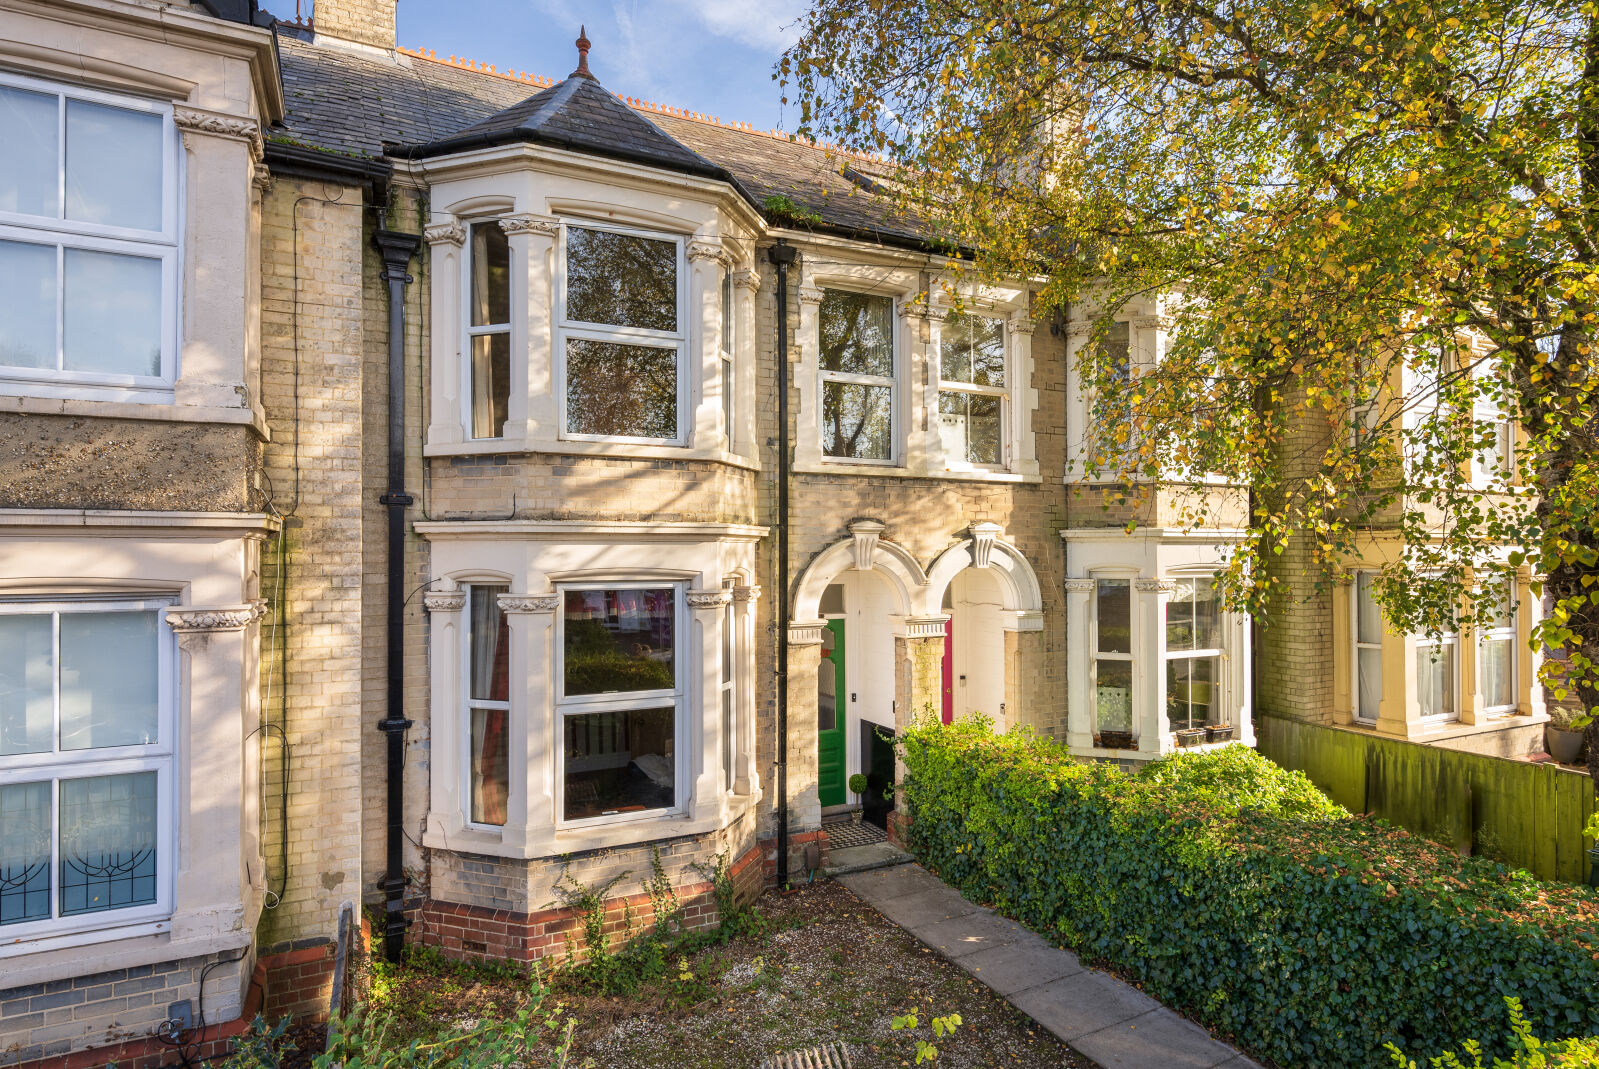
[352, 104]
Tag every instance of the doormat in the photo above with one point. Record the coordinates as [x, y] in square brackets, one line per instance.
[842, 833]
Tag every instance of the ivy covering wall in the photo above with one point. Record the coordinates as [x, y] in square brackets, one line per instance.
[1238, 893]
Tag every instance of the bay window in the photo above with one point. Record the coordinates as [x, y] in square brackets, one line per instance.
[972, 390]
[86, 693]
[1193, 655]
[619, 700]
[858, 373]
[623, 341]
[488, 705]
[1496, 653]
[1368, 629]
[489, 329]
[1113, 656]
[88, 237]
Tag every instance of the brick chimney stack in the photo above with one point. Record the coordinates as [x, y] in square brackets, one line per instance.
[367, 22]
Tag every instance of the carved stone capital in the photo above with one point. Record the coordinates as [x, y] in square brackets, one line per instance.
[194, 627]
[925, 626]
[709, 599]
[743, 594]
[866, 534]
[1079, 586]
[705, 249]
[530, 223]
[805, 632]
[219, 124]
[983, 537]
[1079, 329]
[1149, 322]
[1020, 323]
[261, 179]
[449, 233]
[810, 295]
[1154, 586]
[237, 618]
[529, 603]
[747, 280]
[444, 600]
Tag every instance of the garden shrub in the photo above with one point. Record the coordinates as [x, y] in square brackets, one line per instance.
[1234, 891]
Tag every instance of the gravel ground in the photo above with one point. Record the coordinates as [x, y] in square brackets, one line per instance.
[827, 967]
[830, 968]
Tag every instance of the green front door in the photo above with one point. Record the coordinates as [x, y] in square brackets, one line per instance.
[830, 716]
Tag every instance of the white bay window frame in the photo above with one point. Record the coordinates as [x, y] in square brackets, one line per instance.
[569, 706]
[58, 766]
[676, 341]
[539, 561]
[472, 331]
[63, 234]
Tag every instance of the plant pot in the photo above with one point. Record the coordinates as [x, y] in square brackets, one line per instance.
[1189, 736]
[1116, 740]
[1564, 746]
[856, 815]
[1219, 733]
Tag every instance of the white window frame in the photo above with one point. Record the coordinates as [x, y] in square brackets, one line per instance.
[1095, 655]
[469, 703]
[728, 299]
[823, 376]
[676, 341]
[948, 385]
[1218, 653]
[585, 704]
[470, 332]
[1450, 642]
[56, 766]
[1122, 472]
[1502, 634]
[62, 233]
[1357, 645]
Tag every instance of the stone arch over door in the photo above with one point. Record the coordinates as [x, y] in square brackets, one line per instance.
[997, 636]
[897, 622]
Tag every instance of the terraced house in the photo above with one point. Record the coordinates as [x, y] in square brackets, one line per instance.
[420, 482]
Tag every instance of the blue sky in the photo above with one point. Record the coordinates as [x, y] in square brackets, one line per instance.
[713, 56]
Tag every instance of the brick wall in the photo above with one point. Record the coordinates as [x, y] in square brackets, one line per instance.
[312, 387]
[121, 1008]
[367, 22]
[483, 931]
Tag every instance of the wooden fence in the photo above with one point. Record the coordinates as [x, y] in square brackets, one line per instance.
[1529, 815]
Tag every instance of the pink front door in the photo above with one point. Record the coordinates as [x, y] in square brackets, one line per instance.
[949, 671]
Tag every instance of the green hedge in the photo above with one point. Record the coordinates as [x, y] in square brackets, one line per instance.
[1235, 891]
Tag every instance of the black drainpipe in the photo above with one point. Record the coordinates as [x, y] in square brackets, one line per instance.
[397, 250]
[782, 256]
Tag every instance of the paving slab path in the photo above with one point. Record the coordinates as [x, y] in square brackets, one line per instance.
[1092, 1012]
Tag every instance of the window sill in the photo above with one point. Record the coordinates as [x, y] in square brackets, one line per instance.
[974, 475]
[1427, 731]
[633, 450]
[546, 842]
[151, 406]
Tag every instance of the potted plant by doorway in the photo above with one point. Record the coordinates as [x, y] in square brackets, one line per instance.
[1563, 735]
[857, 785]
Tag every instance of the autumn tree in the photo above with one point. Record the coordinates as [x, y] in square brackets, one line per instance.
[1380, 219]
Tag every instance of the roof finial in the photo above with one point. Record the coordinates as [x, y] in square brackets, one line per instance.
[582, 54]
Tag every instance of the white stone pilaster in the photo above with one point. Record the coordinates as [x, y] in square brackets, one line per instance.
[1149, 664]
[530, 803]
[1079, 665]
[532, 410]
[447, 794]
[804, 360]
[704, 709]
[705, 260]
[446, 414]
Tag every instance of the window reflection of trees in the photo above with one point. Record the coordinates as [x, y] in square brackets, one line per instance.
[620, 280]
[624, 390]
